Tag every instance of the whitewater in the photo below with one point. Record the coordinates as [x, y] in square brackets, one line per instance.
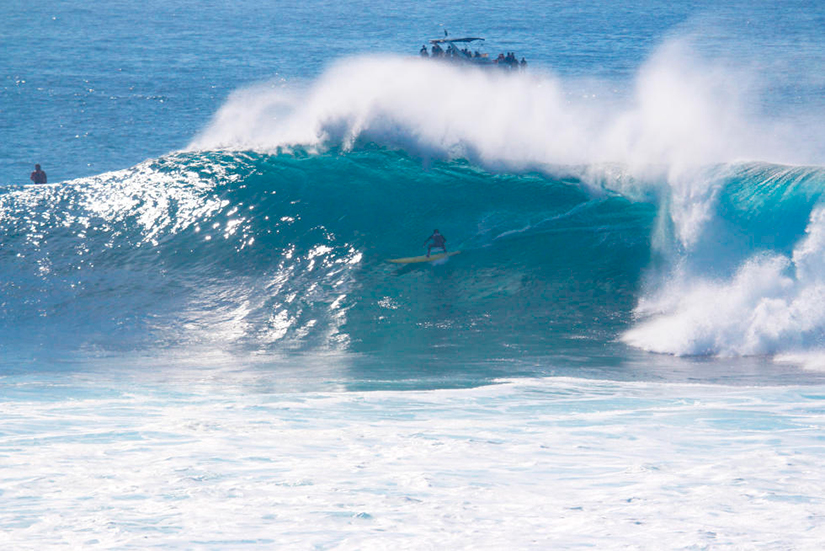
[202, 344]
[233, 463]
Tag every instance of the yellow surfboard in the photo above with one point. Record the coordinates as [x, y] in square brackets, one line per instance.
[414, 259]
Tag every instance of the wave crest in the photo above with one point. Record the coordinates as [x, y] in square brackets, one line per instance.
[681, 110]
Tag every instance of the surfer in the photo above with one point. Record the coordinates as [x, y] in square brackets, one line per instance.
[438, 242]
[38, 176]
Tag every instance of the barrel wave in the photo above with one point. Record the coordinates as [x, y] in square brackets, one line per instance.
[277, 253]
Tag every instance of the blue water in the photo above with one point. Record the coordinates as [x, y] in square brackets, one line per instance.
[202, 344]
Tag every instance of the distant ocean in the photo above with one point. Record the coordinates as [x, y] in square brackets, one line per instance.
[202, 345]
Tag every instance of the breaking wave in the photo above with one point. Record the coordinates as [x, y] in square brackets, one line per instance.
[666, 220]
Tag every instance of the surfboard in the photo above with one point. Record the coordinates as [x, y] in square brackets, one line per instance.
[415, 259]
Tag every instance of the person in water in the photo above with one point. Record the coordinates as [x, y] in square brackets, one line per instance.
[438, 242]
[38, 176]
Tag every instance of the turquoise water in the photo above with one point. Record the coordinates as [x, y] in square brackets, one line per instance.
[203, 346]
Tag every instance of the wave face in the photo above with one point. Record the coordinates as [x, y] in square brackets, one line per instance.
[270, 253]
[288, 252]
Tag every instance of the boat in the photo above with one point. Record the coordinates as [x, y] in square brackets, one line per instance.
[466, 50]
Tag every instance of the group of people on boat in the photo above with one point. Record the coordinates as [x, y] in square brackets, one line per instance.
[510, 61]
[451, 52]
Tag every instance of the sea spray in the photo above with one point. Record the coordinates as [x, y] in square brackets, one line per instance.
[683, 111]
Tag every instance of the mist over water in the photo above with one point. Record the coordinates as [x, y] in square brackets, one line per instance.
[683, 111]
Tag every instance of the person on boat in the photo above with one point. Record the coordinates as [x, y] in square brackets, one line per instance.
[438, 242]
[523, 64]
[38, 176]
[423, 51]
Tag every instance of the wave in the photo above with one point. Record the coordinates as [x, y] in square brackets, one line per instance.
[271, 253]
[583, 222]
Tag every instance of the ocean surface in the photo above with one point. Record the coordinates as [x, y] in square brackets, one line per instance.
[202, 345]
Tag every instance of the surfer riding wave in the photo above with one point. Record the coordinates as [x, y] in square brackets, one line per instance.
[438, 242]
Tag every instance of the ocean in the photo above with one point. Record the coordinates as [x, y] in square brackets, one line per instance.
[203, 346]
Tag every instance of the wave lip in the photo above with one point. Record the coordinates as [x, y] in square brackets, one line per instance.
[681, 110]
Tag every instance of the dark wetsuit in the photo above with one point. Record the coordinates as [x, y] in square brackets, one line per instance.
[38, 177]
[438, 242]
